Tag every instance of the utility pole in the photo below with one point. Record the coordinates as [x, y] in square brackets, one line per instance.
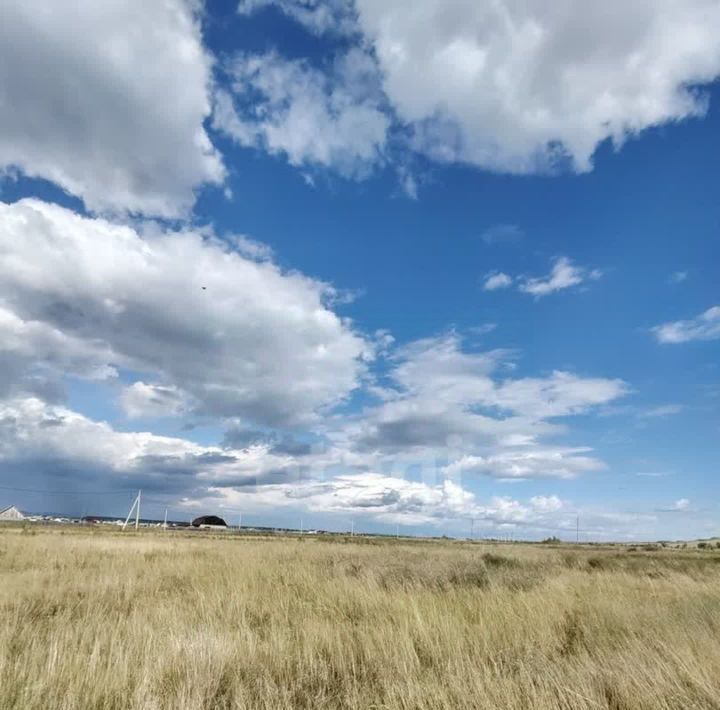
[136, 507]
[577, 529]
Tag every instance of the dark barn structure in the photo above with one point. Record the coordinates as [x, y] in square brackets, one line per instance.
[209, 521]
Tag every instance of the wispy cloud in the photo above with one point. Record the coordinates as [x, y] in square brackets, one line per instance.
[564, 274]
[662, 410]
[677, 277]
[681, 505]
[483, 329]
[706, 326]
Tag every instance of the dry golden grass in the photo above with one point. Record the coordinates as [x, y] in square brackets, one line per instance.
[99, 620]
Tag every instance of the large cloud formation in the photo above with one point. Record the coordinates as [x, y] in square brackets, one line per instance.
[439, 400]
[521, 87]
[212, 331]
[107, 99]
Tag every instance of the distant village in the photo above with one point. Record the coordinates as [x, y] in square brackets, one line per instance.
[204, 522]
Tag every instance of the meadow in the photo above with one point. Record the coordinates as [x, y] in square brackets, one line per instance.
[159, 620]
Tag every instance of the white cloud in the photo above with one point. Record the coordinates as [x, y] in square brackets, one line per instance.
[42, 442]
[483, 329]
[143, 400]
[25, 343]
[319, 16]
[330, 120]
[229, 335]
[557, 395]
[521, 87]
[563, 274]
[108, 99]
[535, 463]
[388, 499]
[496, 280]
[679, 506]
[660, 411]
[441, 401]
[677, 277]
[706, 326]
[444, 505]
[41, 438]
[547, 504]
[514, 86]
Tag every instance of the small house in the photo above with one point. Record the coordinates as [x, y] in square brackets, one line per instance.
[11, 513]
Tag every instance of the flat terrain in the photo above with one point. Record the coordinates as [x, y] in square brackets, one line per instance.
[96, 619]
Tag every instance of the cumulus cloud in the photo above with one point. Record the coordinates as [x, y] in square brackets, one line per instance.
[706, 326]
[44, 440]
[332, 120]
[222, 334]
[496, 280]
[514, 86]
[547, 504]
[48, 444]
[41, 439]
[108, 99]
[563, 274]
[389, 499]
[386, 497]
[444, 505]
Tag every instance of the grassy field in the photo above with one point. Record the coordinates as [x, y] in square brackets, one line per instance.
[151, 620]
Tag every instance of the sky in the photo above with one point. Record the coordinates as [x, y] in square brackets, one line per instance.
[444, 268]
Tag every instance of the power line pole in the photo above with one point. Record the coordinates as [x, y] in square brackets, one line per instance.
[134, 507]
[577, 529]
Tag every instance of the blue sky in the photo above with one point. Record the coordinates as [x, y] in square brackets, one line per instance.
[345, 262]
